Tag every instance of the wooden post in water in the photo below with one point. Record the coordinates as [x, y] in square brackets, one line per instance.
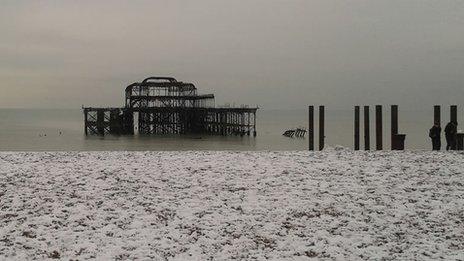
[356, 127]
[436, 115]
[394, 124]
[254, 125]
[311, 127]
[367, 143]
[454, 113]
[454, 118]
[86, 119]
[321, 128]
[378, 127]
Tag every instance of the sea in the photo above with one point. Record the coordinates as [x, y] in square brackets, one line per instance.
[63, 130]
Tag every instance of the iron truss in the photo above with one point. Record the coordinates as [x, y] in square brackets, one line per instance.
[163, 105]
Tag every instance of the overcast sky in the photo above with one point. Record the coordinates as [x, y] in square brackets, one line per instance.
[277, 54]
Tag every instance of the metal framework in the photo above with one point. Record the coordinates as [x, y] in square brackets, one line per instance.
[163, 105]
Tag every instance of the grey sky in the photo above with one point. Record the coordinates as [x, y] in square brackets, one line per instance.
[277, 54]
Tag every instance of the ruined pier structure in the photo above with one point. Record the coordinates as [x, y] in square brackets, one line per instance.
[397, 139]
[163, 105]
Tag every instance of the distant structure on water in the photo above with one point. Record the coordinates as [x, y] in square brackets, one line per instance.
[163, 105]
[298, 132]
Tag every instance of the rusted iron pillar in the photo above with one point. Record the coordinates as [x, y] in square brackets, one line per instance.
[115, 122]
[321, 128]
[454, 113]
[394, 119]
[458, 144]
[242, 125]
[223, 124]
[311, 127]
[367, 143]
[394, 124]
[356, 127]
[128, 122]
[397, 140]
[254, 124]
[436, 115]
[86, 122]
[100, 122]
[378, 127]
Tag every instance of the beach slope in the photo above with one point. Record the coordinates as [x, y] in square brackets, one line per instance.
[232, 205]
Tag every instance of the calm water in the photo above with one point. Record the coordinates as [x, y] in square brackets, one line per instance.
[39, 130]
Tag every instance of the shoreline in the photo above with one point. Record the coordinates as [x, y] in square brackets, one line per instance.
[177, 205]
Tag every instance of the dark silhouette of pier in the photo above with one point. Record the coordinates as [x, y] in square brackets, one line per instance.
[163, 105]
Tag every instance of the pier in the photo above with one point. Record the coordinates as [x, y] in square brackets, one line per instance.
[163, 105]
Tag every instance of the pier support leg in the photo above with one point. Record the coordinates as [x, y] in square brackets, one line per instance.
[367, 143]
[454, 118]
[394, 124]
[356, 127]
[100, 122]
[397, 140]
[86, 119]
[378, 127]
[436, 115]
[454, 113]
[321, 128]
[311, 127]
[254, 125]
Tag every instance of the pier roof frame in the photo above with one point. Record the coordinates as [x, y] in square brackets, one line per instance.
[163, 105]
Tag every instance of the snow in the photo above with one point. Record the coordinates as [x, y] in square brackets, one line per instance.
[198, 205]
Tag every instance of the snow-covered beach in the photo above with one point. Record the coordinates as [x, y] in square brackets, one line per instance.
[336, 204]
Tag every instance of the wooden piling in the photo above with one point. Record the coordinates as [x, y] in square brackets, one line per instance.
[394, 124]
[436, 115]
[311, 127]
[454, 113]
[366, 129]
[356, 127]
[378, 127]
[394, 119]
[321, 128]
